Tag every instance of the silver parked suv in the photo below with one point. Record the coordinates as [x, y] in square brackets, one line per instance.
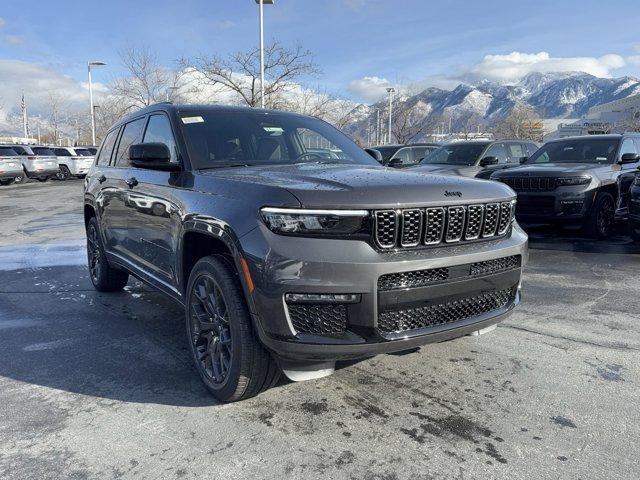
[37, 162]
[10, 166]
[73, 162]
[285, 260]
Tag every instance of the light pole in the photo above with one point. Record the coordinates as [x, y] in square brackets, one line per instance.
[93, 118]
[390, 90]
[170, 92]
[262, 3]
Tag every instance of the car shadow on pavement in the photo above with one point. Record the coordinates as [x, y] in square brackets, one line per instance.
[557, 239]
[57, 332]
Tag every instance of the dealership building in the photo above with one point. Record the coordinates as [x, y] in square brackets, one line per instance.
[612, 117]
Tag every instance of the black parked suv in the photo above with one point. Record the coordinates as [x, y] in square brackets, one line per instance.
[401, 156]
[284, 259]
[634, 207]
[580, 181]
[477, 158]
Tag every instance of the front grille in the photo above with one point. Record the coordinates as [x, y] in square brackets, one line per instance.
[436, 225]
[489, 267]
[417, 278]
[530, 184]
[318, 319]
[535, 205]
[432, 315]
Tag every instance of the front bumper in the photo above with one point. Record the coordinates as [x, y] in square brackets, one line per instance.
[563, 205]
[280, 265]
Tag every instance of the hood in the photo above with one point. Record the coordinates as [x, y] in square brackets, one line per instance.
[460, 170]
[549, 170]
[362, 186]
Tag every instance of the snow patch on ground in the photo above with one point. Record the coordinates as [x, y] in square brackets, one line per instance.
[20, 257]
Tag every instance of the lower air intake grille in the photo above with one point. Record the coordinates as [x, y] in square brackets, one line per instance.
[444, 313]
[417, 278]
[318, 319]
[494, 266]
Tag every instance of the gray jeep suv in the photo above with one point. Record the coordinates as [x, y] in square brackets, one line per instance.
[583, 181]
[288, 261]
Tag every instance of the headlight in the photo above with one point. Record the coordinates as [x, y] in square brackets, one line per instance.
[295, 221]
[570, 181]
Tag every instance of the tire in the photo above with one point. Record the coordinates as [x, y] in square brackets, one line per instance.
[227, 354]
[104, 277]
[64, 173]
[6, 182]
[634, 231]
[43, 179]
[601, 219]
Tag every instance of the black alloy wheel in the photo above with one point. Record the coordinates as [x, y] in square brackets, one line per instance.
[211, 336]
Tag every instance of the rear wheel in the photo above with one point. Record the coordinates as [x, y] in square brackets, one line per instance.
[601, 219]
[229, 358]
[43, 179]
[8, 181]
[104, 277]
[64, 173]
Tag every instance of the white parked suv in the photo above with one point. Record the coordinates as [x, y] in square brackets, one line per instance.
[37, 162]
[10, 166]
[73, 161]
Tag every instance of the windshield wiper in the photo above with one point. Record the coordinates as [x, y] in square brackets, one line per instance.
[228, 165]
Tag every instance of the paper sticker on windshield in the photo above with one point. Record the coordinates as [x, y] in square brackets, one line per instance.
[187, 120]
[274, 130]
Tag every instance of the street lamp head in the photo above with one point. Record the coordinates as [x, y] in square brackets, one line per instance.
[96, 63]
[265, 2]
[391, 89]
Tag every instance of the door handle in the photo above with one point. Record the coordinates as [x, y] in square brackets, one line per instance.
[102, 178]
[132, 182]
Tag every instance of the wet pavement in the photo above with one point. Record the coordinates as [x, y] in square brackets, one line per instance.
[102, 386]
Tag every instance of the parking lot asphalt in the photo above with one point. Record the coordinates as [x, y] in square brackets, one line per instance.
[102, 386]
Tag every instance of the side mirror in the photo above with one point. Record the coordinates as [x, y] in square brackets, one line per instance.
[374, 153]
[395, 163]
[152, 156]
[486, 161]
[629, 158]
[523, 160]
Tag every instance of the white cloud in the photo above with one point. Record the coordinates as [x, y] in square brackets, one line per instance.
[13, 40]
[38, 82]
[355, 4]
[515, 65]
[370, 89]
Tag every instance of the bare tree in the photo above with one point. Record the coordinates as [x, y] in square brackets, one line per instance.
[341, 113]
[631, 123]
[240, 73]
[57, 106]
[147, 82]
[522, 123]
[408, 123]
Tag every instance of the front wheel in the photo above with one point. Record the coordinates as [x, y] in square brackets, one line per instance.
[64, 173]
[6, 182]
[601, 219]
[229, 358]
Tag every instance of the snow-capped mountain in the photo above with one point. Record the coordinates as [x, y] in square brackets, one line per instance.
[550, 95]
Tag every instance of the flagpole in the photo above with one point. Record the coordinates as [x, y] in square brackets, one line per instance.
[24, 117]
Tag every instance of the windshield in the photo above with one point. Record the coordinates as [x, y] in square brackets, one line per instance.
[387, 152]
[83, 152]
[43, 151]
[223, 138]
[455, 154]
[589, 150]
[8, 152]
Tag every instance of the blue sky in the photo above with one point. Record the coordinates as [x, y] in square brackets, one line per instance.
[358, 44]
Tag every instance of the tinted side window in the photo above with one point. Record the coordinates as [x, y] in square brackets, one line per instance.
[61, 152]
[628, 146]
[131, 134]
[405, 155]
[497, 150]
[159, 130]
[531, 148]
[515, 152]
[107, 147]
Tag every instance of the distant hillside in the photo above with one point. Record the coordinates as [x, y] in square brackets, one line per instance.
[551, 95]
